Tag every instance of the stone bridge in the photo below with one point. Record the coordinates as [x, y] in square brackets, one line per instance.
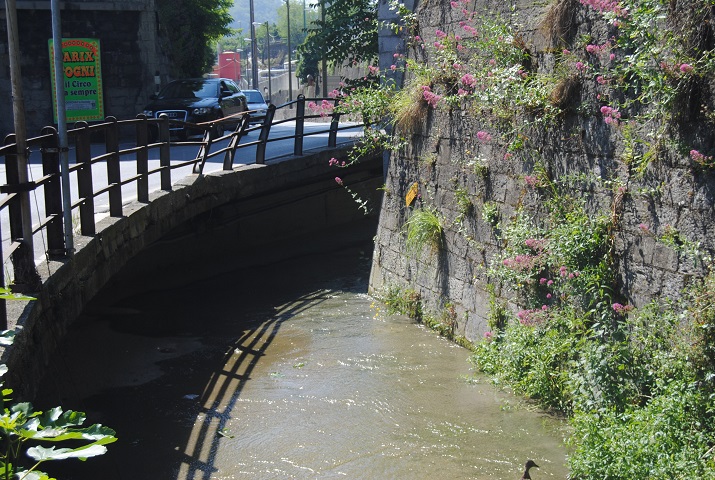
[205, 225]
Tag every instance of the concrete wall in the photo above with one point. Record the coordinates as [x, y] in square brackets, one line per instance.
[205, 226]
[672, 192]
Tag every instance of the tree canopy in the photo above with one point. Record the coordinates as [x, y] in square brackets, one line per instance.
[347, 35]
[192, 27]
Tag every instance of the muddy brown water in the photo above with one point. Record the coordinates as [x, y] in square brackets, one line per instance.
[288, 371]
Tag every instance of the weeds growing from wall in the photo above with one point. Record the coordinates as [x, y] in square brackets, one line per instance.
[424, 230]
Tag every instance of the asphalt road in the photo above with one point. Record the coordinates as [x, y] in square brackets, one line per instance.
[179, 153]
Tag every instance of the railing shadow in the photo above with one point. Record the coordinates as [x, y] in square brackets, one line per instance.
[224, 389]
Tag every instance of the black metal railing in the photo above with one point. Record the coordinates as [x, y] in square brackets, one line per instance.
[150, 135]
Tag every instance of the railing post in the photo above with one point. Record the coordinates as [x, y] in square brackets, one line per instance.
[334, 122]
[299, 123]
[233, 144]
[204, 151]
[263, 137]
[142, 160]
[23, 258]
[114, 175]
[50, 149]
[85, 189]
[165, 152]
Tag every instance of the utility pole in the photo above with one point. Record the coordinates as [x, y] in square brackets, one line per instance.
[290, 72]
[254, 50]
[26, 276]
[62, 125]
[325, 62]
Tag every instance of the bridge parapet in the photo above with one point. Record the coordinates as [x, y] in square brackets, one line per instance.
[203, 226]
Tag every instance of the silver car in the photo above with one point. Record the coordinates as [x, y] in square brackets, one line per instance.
[257, 105]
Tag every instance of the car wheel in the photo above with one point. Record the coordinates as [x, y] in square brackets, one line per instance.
[216, 131]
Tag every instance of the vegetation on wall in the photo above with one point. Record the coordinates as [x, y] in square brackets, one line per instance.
[638, 384]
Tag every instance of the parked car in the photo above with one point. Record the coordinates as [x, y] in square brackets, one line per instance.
[257, 105]
[198, 100]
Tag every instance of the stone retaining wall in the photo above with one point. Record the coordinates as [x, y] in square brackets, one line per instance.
[673, 192]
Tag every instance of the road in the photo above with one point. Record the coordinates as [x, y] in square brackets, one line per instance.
[179, 153]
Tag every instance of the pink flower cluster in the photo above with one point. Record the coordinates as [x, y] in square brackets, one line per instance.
[700, 158]
[537, 244]
[604, 6]
[534, 317]
[334, 162]
[686, 68]
[483, 136]
[324, 108]
[430, 97]
[610, 115]
[469, 80]
[521, 263]
[532, 181]
[621, 309]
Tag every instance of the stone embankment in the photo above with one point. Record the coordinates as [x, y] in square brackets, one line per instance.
[475, 174]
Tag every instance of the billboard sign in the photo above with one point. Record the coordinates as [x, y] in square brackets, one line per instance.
[82, 79]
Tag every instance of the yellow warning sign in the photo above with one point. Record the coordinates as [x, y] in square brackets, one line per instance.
[412, 194]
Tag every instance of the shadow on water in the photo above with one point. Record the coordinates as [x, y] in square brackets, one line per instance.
[166, 368]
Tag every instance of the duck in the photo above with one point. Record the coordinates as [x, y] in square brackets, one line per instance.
[529, 465]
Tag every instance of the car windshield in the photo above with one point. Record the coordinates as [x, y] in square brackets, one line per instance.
[189, 89]
[254, 97]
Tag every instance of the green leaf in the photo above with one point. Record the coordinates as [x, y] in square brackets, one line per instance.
[34, 475]
[41, 454]
[7, 337]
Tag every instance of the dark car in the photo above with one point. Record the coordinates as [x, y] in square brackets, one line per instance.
[257, 105]
[198, 100]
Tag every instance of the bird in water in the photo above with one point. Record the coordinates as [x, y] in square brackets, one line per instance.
[529, 464]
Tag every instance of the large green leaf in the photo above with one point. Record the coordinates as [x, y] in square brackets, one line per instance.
[33, 475]
[41, 454]
[6, 294]
[7, 337]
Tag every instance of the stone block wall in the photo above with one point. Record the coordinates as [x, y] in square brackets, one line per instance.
[440, 156]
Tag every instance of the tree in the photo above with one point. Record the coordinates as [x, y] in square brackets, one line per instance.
[299, 23]
[348, 35]
[192, 28]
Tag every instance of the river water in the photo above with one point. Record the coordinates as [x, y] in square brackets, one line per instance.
[288, 371]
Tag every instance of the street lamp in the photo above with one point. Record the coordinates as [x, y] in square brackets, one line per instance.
[268, 55]
[253, 62]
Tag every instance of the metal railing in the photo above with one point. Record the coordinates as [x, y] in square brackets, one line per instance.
[150, 135]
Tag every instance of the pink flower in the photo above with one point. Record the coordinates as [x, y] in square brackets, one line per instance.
[440, 34]
[618, 308]
[338, 180]
[393, 67]
[483, 136]
[685, 68]
[700, 158]
[333, 161]
[643, 227]
[487, 335]
[468, 80]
